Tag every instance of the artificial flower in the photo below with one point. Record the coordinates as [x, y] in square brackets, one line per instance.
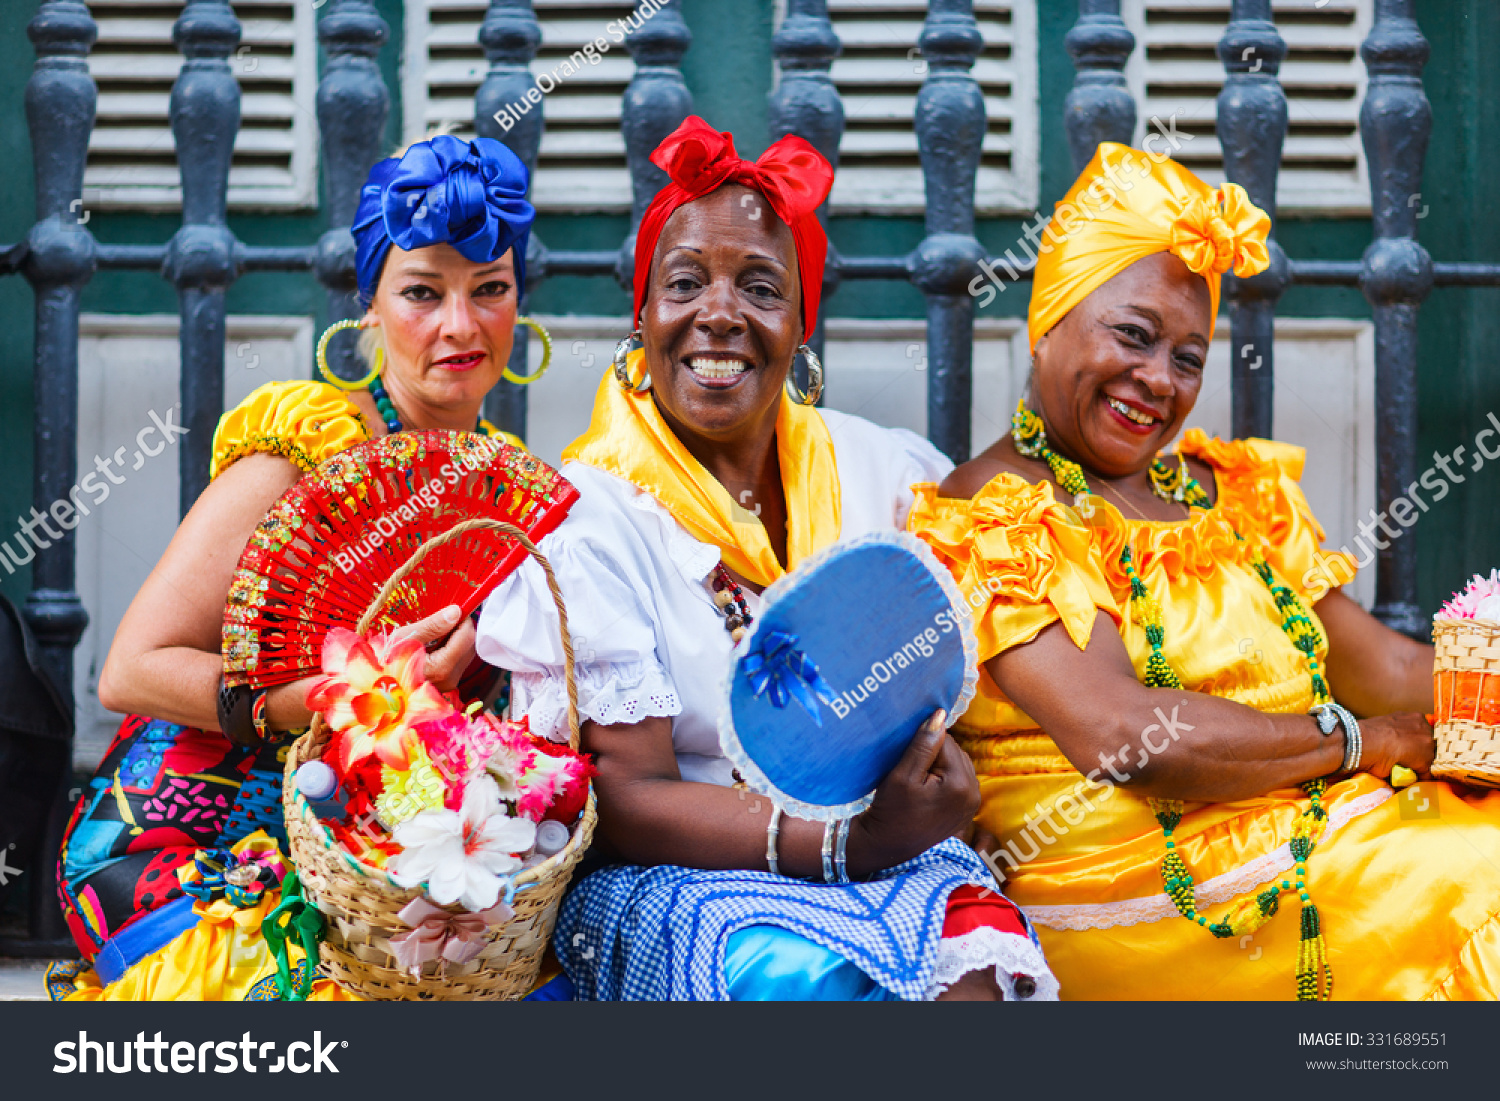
[407, 793]
[510, 760]
[460, 747]
[555, 784]
[372, 692]
[1480, 599]
[461, 855]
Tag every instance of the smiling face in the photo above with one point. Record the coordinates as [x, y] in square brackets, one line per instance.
[1115, 379]
[447, 324]
[723, 315]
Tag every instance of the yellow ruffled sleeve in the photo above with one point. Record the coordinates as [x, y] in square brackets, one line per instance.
[1022, 560]
[303, 422]
[1260, 495]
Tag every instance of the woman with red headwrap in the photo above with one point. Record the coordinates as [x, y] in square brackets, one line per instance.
[702, 481]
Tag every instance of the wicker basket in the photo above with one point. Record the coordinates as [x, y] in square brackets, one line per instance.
[362, 903]
[1466, 686]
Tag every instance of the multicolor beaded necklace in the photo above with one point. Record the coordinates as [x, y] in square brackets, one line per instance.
[729, 598]
[387, 409]
[1314, 976]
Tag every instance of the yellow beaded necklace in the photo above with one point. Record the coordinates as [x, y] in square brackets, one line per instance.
[1246, 915]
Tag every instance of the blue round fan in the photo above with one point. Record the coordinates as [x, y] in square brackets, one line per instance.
[848, 657]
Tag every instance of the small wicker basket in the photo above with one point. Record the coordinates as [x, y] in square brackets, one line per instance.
[362, 903]
[1466, 687]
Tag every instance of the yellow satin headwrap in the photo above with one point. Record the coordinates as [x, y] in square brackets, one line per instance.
[628, 438]
[1128, 205]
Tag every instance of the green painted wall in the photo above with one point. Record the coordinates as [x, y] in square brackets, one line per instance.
[728, 69]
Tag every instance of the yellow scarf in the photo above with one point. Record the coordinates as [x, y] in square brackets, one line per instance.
[628, 438]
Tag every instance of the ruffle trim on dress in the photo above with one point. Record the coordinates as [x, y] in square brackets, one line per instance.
[1010, 954]
[1221, 888]
[620, 692]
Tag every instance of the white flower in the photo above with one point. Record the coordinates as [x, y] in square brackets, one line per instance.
[505, 765]
[461, 855]
[1488, 608]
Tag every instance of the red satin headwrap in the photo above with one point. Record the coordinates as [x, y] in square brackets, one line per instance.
[792, 175]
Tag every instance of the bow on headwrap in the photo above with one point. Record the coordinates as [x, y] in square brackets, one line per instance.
[468, 194]
[792, 175]
[1128, 205]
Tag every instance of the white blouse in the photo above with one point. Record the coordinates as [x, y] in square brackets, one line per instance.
[647, 637]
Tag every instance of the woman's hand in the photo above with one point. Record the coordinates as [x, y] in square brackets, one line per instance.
[446, 662]
[1390, 740]
[930, 795]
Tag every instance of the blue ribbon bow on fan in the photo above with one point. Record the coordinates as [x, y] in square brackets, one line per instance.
[777, 666]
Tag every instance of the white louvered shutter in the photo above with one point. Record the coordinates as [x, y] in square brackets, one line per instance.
[582, 164]
[1175, 70]
[879, 75]
[131, 161]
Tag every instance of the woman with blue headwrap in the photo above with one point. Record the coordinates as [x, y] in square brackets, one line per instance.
[195, 771]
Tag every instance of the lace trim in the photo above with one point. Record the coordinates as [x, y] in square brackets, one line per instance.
[1221, 888]
[606, 694]
[1010, 954]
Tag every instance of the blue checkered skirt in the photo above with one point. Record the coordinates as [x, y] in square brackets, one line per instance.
[631, 933]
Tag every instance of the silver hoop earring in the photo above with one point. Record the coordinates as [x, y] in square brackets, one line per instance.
[622, 372]
[814, 377]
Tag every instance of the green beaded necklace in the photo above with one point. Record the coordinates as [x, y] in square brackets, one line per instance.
[1314, 977]
[387, 409]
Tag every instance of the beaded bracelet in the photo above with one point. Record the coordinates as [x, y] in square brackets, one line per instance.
[773, 829]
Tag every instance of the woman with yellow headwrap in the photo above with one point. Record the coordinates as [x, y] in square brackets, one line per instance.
[1168, 778]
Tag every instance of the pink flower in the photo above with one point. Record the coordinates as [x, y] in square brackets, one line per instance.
[1480, 599]
[555, 784]
[372, 693]
[462, 747]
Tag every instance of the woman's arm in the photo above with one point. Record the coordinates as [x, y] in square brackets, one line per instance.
[1372, 669]
[649, 815]
[1171, 743]
[166, 660]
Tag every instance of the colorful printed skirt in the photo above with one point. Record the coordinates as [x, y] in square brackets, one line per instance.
[161, 793]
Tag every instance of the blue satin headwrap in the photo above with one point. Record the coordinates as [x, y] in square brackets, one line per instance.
[469, 194]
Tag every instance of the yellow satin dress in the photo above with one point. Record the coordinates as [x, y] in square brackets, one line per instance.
[1408, 883]
[224, 957]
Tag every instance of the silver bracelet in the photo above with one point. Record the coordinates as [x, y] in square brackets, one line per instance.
[773, 829]
[829, 829]
[1330, 715]
[840, 848]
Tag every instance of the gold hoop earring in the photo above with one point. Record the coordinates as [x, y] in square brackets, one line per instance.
[546, 337]
[622, 370]
[322, 357]
[814, 377]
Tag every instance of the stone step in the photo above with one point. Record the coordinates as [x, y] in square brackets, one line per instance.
[23, 980]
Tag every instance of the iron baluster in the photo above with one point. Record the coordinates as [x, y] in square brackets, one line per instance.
[1252, 120]
[1395, 122]
[950, 124]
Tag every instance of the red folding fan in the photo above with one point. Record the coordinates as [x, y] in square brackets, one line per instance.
[328, 546]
